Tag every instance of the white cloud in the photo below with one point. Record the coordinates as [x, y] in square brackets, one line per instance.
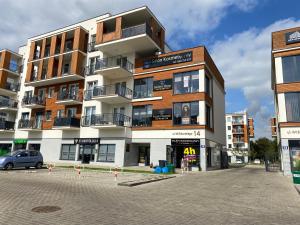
[244, 60]
[183, 21]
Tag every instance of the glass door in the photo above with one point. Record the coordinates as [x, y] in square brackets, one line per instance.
[89, 113]
[38, 120]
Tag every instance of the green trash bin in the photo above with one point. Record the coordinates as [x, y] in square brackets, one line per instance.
[171, 168]
[296, 177]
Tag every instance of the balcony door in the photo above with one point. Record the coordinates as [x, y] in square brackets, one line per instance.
[41, 95]
[118, 116]
[73, 90]
[90, 88]
[71, 112]
[120, 88]
[38, 119]
[89, 112]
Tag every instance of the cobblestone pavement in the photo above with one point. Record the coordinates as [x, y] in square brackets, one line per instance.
[235, 196]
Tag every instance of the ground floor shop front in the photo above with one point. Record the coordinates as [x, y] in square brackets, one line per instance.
[201, 154]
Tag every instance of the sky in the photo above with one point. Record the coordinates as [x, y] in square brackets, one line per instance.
[237, 33]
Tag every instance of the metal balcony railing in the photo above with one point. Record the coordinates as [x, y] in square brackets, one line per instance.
[234, 122]
[7, 125]
[34, 123]
[115, 61]
[108, 90]
[237, 131]
[136, 30]
[63, 96]
[66, 122]
[33, 100]
[12, 86]
[5, 102]
[106, 119]
[237, 140]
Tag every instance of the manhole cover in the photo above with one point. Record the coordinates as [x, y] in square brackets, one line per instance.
[46, 209]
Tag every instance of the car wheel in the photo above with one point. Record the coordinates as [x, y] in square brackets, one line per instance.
[8, 166]
[39, 165]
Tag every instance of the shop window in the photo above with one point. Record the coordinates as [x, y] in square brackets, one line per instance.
[142, 115]
[34, 147]
[187, 82]
[186, 113]
[107, 153]
[143, 88]
[291, 68]
[68, 152]
[5, 148]
[292, 105]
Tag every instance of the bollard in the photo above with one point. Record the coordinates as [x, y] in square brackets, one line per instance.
[116, 173]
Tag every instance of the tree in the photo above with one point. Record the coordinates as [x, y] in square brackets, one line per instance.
[264, 149]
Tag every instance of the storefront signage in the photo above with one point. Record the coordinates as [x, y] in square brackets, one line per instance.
[160, 85]
[20, 141]
[169, 60]
[292, 37]
[185, 142]
[86, 141]
[162, 114]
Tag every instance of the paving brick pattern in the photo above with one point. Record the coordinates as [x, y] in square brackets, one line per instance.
[236, 196]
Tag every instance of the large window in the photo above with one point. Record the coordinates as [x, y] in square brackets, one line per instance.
[187, 82]
[291, 68]
[68, 152]
[292, 104]
[106, 153]
[142, 115]
[208, 86]
[143, 88]
[208, 113]
[186, 113]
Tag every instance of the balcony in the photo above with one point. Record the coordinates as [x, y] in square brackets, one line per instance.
[113, 67]
[7, 104]
[33, 102]
[9, 89]
[34, 124]
[107, 121]
[7, 126]
[67, 98]
[133, 39]
[238, 131]
[237, 122]
[66, 123]
[110, 94]
[238, 140]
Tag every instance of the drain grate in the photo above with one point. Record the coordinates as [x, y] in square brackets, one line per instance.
[45, 209]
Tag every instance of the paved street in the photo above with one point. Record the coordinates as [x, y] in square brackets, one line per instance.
[235, 196]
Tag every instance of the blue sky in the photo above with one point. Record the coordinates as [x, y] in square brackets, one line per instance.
[237, 33]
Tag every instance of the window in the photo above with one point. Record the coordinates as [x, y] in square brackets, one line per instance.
[186, 113]
[33, 153]
[229, 137]
[229, 146]
[142, 115]
[23, 154]
[187, 82]
[48, 115]
[208, 85]
[229, 128]
[292, 105]
[143, 88]
[291, 68]
[60, 113]
[208, 116]
[50, 92]
[68, 152]
[71, 112]
[229, 119]
[106, 153]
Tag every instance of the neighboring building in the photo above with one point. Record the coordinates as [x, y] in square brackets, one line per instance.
[108, 91]
[286, 87]
[239, 130]
[273, 124]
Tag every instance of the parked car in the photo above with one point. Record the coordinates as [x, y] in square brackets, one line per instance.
[256, 161]
[21, 158]
[238, 161]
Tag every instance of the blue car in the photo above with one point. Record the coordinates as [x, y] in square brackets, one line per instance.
[21, 158]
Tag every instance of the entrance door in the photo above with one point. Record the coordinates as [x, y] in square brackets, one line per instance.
[144, 155]
[87, 153]
[208, 157]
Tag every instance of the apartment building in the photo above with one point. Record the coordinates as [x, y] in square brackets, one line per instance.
[286, 87]
[273, 124]
[239, 131]
[108, 91]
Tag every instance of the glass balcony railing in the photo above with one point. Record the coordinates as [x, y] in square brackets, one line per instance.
[14, 67]
[7, 125]
[136, 30]
[106, 119]
[34, 123]
[33, 100]
[108, 90]
[12, 87]
[116, 61]
[63, 96]
[66, 122]
[5, 102]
